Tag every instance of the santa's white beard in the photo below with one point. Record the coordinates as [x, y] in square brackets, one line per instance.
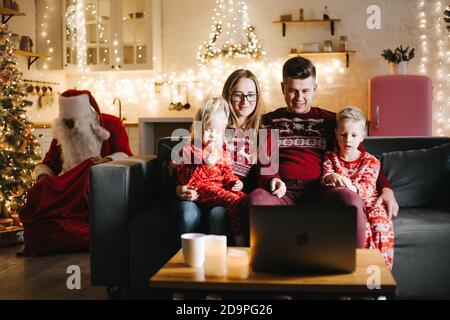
[80, 143]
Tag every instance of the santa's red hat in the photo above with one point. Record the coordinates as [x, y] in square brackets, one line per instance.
[75, 104]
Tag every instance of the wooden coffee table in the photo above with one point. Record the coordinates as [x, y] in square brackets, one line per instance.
[176, 276]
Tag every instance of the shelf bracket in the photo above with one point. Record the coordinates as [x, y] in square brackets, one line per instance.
[283, 26]
[332, 27]
[6, 17]
[31, 60]
[347, 59]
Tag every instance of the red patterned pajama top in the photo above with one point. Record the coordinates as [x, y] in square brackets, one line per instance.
[363, 172]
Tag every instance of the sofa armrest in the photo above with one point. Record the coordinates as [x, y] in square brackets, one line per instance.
[119, 190]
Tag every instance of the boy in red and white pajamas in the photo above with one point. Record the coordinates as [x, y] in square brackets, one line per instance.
[358, 171]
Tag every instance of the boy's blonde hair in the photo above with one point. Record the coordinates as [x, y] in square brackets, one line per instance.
[213, 109]
[352, 113]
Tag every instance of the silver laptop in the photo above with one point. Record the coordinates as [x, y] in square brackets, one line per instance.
[303, 239]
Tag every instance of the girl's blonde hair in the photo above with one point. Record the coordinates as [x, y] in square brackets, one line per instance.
[253, 121]
[213, 109]
[352, 113]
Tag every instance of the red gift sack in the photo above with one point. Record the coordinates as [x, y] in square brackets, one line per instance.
[55, 216]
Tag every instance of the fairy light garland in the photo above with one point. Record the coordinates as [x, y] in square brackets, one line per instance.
[81, 36]
[45, 38]
[435, 61]
[240, 39]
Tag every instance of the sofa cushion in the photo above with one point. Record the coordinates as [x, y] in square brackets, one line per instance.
[418, 176]
[421, 255]
[426, 222]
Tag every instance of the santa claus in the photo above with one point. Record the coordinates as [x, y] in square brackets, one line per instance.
[80, 133]
[55, 216]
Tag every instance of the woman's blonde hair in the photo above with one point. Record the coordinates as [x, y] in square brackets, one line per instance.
[253, 121]
[352, 113]
[214, 108]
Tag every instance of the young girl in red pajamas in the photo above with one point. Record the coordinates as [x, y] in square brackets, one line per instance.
[206, 165]
[358, 171]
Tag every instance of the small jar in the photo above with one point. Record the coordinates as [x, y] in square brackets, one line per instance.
[343, 43]
[328, 46]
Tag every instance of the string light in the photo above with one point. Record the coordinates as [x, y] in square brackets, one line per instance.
[231, 26]
[240, 40]
[435, 55]
[44, 35]
[76, 27]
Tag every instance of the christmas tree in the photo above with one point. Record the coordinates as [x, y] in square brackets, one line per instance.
[231, 34]
[17, 142]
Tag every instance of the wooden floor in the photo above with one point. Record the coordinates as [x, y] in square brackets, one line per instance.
[44, 277]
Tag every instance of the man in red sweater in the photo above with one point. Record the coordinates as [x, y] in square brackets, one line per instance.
[305, 133]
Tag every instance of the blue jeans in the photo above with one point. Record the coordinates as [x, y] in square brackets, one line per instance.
[191, 218]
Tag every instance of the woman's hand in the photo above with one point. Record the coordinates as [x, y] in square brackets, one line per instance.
[186, 193]
[277, 187]
[387, 197]
[238, 186]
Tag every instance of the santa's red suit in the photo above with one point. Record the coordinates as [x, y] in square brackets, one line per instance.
[56, 213]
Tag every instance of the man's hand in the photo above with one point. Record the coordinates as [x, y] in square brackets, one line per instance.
[238, 186]
[99, 160]
[277, 187]
[186, 193]
[387, 197]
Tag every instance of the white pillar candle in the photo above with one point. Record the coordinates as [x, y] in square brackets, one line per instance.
[215, 256]
[237, 264]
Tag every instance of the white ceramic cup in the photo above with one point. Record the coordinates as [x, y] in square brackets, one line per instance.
[193, 245]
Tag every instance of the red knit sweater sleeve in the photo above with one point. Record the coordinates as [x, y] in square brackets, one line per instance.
[383, 182]
[185, 173]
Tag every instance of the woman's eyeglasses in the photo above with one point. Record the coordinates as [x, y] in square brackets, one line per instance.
[238, 97]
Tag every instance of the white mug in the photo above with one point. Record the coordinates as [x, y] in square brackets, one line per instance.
[193, 245]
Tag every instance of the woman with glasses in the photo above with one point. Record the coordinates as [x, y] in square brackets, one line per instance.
[242, 91]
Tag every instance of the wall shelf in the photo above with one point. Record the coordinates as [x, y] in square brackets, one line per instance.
[345, 54]
[299, 22]
[8, 14]
[32, 56]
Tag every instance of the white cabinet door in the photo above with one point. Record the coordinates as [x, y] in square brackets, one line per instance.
[99, 27]
[120, 35]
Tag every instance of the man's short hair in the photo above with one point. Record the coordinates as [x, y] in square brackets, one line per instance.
[298, 68]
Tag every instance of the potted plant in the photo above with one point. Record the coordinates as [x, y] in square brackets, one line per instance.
[398, 58]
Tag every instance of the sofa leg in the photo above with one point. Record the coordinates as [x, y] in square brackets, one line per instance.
[114, 292]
